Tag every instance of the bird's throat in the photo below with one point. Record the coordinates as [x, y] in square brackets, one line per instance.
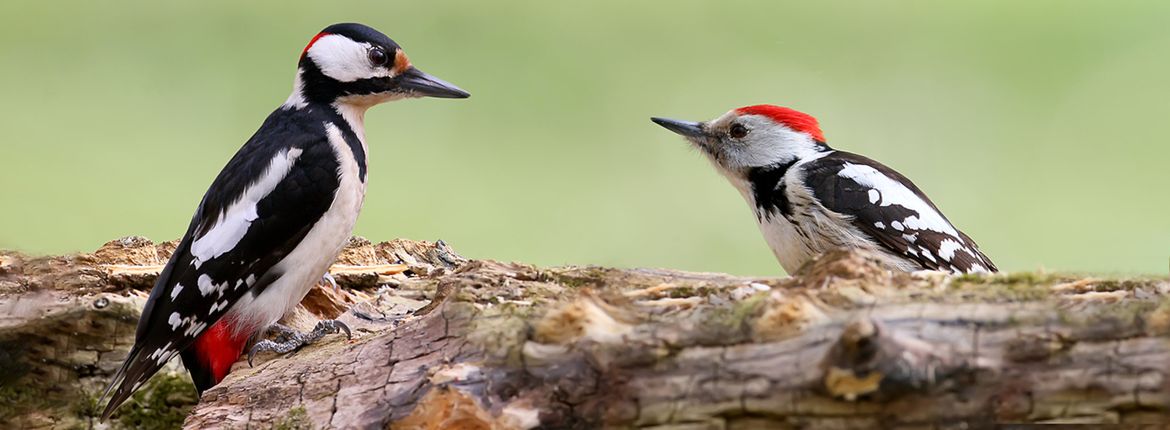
[354, 116]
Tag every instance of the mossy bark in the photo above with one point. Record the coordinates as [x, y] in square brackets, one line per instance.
[453, 343]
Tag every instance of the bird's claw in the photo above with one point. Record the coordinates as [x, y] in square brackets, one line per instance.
[294, 340]
[328, 279]
[329, 327]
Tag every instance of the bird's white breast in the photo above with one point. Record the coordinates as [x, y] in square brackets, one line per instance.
[303, 267]
[787, 244]
[789, 247]
[812, 230]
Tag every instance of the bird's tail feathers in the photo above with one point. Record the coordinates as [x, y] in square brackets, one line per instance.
[134, 372]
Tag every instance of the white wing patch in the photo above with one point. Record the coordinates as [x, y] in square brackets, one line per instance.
[223, 304]
[921, 228]
[947, 248]
[192, 324]
[194, 328]
[892, 192]
[163, 354]
[205, 285]
[234, 220]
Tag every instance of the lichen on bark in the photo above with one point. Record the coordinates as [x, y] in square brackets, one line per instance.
[483, 344]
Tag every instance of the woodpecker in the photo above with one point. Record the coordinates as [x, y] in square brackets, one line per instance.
[277, 216]
[809, 198]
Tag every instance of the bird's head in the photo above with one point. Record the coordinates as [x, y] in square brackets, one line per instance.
[355, 64]
[753, 136]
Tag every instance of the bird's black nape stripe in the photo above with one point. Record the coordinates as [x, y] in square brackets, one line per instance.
[768, 189]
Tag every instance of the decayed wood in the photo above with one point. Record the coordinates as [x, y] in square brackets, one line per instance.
[845, 345]
[67, 322]
[452, 343]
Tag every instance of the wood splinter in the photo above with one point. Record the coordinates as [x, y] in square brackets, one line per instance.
[871, 360]
[367, 276]
[142, 276]
[379, 269]
[132, 269]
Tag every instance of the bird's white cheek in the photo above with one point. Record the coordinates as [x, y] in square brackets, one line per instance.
[343, 59]
[738, 156]
[758, 154]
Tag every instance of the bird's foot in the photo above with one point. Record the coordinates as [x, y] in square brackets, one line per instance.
[289, 340]
[282, 332]
[328, 280]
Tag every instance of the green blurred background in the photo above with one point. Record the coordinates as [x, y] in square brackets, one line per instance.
[1039, 127]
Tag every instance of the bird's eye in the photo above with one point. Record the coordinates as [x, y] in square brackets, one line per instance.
[378, 57]
[738, 131]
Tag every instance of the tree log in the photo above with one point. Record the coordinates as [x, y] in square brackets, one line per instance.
[452, 343]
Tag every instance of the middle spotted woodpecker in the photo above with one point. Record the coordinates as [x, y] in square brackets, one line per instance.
[277, 216]
[809, 198]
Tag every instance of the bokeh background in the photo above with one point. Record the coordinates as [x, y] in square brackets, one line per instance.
[1040, 127]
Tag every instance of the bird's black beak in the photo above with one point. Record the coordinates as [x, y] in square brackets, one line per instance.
[419, 84]
[685, 128]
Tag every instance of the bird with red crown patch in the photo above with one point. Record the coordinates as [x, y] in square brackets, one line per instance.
[275, 218]
[809, 198]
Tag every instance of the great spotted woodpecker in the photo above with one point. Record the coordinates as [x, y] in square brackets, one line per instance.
[278, 214]
[809, 198]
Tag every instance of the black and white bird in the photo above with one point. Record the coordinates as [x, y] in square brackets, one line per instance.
[277, 216]
[809, 198]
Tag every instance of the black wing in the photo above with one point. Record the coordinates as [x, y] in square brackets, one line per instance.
[193, 293]
[893, 212]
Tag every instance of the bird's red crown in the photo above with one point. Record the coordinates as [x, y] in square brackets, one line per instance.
[792, 118]
[311, 42]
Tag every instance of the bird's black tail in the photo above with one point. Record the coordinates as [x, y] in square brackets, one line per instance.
[125, 381]
[150, 352]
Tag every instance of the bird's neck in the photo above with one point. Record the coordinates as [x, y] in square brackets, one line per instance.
[297, 100]
[355, 117]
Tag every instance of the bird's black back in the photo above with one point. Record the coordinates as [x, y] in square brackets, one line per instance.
[849, 197]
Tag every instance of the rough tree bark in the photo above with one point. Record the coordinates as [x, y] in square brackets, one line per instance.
[452, 343]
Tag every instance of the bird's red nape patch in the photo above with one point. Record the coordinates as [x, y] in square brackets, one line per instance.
[794, 119]
[311, 42]
[218, 349]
